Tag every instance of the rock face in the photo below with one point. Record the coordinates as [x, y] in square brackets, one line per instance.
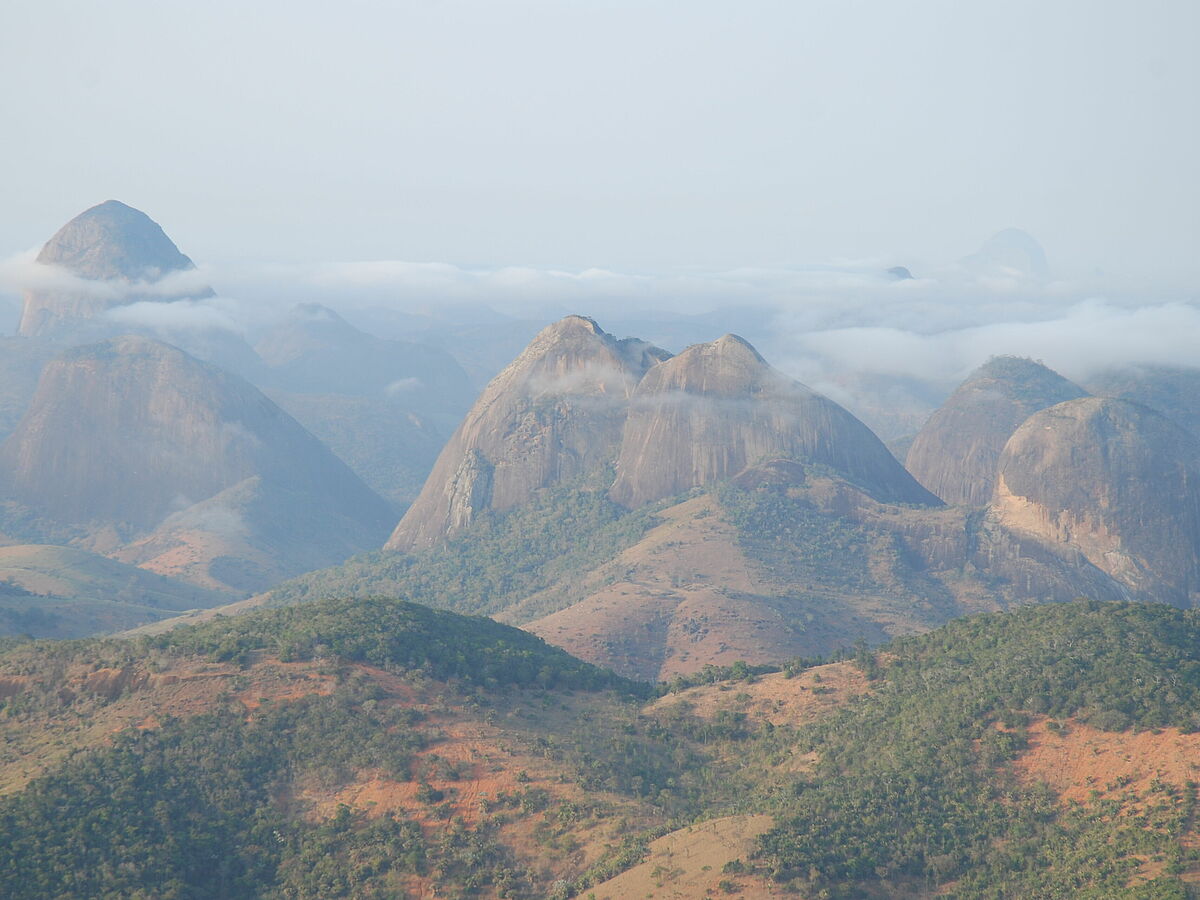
[1117, 482]
[716, 408]
[955, 454]
[553, 414]
[112, 243]
[123, 434]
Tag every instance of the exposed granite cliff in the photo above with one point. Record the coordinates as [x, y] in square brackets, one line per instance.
[956, 452]
[111, 243]
[717, 408]
[1114, 480]
[553, 414]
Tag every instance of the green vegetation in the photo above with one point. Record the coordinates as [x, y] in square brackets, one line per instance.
[498, 561]
[797, 541]
[914, 786]
[913, 791]
[190, 810]
[398, 635]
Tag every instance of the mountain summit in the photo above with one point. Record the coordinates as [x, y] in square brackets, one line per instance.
[717, 408]
[553, 414]
[956, 452]
[110, 242]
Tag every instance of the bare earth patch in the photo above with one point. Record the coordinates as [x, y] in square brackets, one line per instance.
[1083, 759]
[690, 863]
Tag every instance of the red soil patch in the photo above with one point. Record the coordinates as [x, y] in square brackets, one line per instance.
[1083, 759]
[775, 698]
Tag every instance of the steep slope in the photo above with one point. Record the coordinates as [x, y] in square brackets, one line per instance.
[955, 454]
[123, 434]
[717, 408]
[1114, 480]
[554, 414]
[111, 243]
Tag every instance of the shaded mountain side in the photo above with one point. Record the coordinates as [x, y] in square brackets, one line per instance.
[127, 430]
[387, 445]
[124, 434]
[1173, 391]
[65, 592]
[708, 413]
[783, 561]
[21, 363]
[956, 452]
[553, 415]
[494, 564]
[249, 537]
[1115, 481]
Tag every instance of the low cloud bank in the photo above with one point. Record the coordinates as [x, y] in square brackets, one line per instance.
[819, 323]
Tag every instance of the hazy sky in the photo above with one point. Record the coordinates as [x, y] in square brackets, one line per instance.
[630, 135]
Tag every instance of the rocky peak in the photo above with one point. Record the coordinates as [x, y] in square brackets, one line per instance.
[110, 242]
[553, 414]
[716, 408]
[1114, 480]
[956, 452]
[113, 240]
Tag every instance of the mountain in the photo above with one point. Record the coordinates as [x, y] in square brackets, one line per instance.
[554, 414]
[130, 436]
[708, 413]
[1116, 481]
[377, 748]
[111, 243]
[1173, 391]
[1007, 253]
[316, 351]
[385, 407]
[956, 452]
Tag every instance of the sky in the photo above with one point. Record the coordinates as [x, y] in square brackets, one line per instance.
[636, 137]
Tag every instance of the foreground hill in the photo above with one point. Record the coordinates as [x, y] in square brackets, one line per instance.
[159, 459]
[376, 748]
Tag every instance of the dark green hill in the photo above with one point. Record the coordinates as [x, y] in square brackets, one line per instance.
[918, 788]
[916, 791]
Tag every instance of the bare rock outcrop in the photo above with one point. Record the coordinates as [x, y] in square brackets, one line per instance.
[955, 454]
[716, 408]
[555, 413]
[114, 245]
[1115, 481]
